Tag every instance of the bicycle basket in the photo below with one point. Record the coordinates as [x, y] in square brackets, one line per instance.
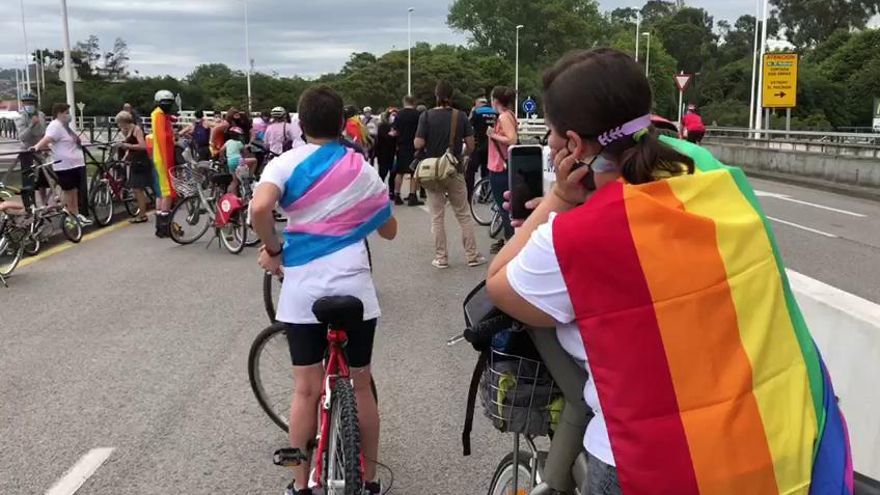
[186, 180]
[519, 396]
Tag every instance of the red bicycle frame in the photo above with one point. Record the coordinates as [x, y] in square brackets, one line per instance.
[335, 369]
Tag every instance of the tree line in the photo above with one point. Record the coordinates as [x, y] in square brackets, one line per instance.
[839, 66]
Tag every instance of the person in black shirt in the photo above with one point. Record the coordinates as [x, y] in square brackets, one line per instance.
[483, 117]
[386, 147]
[404, 127]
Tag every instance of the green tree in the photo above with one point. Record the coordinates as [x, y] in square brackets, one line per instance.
[807, 23]
[689, 38]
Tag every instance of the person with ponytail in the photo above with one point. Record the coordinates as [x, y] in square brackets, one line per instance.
[503, 135]
[659, 272]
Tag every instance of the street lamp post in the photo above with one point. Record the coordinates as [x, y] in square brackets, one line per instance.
[27, 58]
[638, 28]
[754, 67]
[648, 55]
[759, 121]
[247, 54]
[68, 62]
[409, 50]
[516, 76]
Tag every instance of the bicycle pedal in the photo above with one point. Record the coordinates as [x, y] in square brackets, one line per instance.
[289, 457]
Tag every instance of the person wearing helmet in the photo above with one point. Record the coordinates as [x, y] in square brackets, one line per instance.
[31, 127]
[235, 153]
[692, 125]
[371, 122]
[163, 160]
[283, 133]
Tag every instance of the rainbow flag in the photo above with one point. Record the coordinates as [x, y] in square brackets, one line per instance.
[707, 375]
[162, 153]
[333, 199]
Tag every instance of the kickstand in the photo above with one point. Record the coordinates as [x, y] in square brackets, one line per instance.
[3, 281]
[217, 235]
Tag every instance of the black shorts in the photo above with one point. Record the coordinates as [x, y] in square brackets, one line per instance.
[695, 136]
[70, 179]
[308, 343]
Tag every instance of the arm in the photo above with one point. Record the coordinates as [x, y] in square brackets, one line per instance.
[469, 145]
[24, 126]
[508, 135]
[262, 205]
[389, 229]
[44, 143]
[421, 132]
[141, 141]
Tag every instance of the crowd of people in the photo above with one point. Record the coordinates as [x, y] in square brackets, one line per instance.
[601, 259]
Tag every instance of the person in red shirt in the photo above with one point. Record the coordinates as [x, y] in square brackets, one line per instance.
[692, 124]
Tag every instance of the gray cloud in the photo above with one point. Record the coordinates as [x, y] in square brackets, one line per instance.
[287, 36]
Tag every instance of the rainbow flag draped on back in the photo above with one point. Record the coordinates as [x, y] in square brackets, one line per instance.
[162, 153]
[333, 199]
[707, 375]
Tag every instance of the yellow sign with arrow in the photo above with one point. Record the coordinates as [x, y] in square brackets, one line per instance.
[780, 80]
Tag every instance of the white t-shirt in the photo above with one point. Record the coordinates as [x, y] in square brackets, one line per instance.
[344, 272]
[64, 147]
[535, 275]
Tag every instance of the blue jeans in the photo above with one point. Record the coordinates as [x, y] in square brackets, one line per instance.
[601, 478]
[499, 183]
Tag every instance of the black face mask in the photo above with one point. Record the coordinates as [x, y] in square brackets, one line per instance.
[166, 107]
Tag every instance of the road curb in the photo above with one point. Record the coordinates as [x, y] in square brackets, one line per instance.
[869, 193]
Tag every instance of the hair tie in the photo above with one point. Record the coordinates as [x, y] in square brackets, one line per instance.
[640, 134]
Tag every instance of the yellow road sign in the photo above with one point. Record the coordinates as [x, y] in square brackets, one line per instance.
[780, 80]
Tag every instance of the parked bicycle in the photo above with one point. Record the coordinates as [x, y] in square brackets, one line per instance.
[109, 185]
[484, 209]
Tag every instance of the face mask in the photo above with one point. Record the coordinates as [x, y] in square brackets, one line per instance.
[30, 109]
[64, 118]
[166, 107]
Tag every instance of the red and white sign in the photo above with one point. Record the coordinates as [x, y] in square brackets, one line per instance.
[682, 81]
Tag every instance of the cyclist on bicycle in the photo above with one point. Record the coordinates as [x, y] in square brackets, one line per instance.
[333, 200]
[666, 286]
[282, 135]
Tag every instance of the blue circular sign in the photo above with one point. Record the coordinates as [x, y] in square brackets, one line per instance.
[529, 105]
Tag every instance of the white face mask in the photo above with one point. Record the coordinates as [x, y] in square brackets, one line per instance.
[64, 118]
[30, 109]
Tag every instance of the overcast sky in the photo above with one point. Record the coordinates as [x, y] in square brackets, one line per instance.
[287, 36]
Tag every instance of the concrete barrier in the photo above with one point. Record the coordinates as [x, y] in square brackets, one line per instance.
[846, 329]
[854, 169]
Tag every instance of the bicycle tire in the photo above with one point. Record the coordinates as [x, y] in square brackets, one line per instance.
[130, 202]
[71, 227]
[100, 196]
[255, 357]
[481, 196]
[32, 248]
[345, 436]
[269, 295]
[191, 208]
[233, 235]
[497, 225]
[503, 477]
[8, 262]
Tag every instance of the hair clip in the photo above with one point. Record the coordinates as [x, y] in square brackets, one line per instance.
[640, 134]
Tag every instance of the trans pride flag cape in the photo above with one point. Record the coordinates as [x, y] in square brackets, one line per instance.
[162, 153]
[333, 199]
[707, 374]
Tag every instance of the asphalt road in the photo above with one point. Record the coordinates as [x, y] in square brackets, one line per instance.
[136, 344]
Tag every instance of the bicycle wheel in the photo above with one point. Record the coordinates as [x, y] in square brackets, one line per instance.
[233, 235]
[32, 245]
[252, 238]
[130, 202]
[101, 202]
[481, 202]
[271, 291]
[71, 227]
[10, 254]
[189, 221]
[497, 224]
[342, 469]
[502, 480]
[269, 371]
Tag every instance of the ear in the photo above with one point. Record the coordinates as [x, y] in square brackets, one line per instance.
[581, 147]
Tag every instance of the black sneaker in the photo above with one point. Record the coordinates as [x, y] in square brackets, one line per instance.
[412, 200]
[290, 490]
[372, 488]
[422, 193]
[499, 244]
[398, 200]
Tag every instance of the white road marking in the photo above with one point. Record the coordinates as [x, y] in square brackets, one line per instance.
[76, 476]
[802, 227]
[425, 208]
[786, 197]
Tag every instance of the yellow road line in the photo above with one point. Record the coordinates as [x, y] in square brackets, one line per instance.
[67, 245]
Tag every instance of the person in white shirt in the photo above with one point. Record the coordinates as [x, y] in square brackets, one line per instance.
[67, 148]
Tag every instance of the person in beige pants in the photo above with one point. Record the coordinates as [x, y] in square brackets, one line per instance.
[432, 140]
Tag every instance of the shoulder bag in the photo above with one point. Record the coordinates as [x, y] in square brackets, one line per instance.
[432, 172]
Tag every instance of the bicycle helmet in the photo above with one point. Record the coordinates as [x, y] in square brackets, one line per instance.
[163, 95]
[278, 112]
[368, 109]
[28, 96]
[236, 130]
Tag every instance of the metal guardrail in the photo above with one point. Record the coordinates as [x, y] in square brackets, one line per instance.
[863, 138]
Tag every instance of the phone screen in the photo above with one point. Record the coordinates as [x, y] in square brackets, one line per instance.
[526, 176]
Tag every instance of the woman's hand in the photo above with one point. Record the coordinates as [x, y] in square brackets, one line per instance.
[530, 205]
[272, 264]
[569, 185]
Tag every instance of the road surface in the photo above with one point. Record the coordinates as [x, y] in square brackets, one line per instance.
[124, 357]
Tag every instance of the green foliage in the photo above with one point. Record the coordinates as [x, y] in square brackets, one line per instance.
[808, 23]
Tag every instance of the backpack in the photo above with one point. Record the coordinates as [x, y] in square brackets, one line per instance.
[433, 172]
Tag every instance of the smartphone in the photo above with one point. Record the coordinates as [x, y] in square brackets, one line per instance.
[526, 177]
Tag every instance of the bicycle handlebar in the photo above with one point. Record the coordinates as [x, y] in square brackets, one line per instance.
[480, 335]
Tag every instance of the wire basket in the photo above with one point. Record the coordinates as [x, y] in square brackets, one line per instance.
[186, 180]
[519, 395]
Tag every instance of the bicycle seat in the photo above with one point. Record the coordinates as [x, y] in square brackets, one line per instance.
[338, 311]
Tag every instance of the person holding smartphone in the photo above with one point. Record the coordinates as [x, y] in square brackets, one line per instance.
[501, 136]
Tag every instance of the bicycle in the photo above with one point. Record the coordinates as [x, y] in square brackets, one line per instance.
[108, 185]
[205, 203]
[484, 210]
[339, 462]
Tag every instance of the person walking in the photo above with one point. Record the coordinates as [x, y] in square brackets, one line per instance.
[134, 150]
[405, 126]
[502, 135]
[386, 147]
[371, 123]
[438, 128]
[67, 150]
[30, 126]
